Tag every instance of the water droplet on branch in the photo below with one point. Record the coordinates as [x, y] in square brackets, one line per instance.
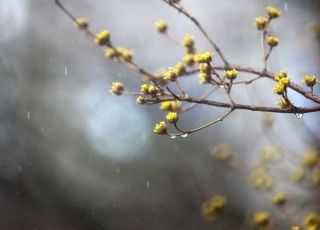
[185, 135]
[173, 136]
[299, 115]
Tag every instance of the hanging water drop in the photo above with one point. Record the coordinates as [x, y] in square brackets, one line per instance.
[173, 136]
[185, 135]
[299, 115]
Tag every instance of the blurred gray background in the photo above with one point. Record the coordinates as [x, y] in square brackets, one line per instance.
[75, 157]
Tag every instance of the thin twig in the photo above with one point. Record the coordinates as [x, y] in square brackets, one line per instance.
[182, 10]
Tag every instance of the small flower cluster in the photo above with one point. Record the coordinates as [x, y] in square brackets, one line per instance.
[102, 38]
[82, 23]
[205, 57]
[149, 89]
[231, 74]
[173, 72]
[205, 73]
[261, 219]
[160, 128]
[311, 221]
[120, 53]
[161, 26]
[211, 208]
[222, 152]
[174, 106]
[117, 88]
[283, 102]
[279, 198]
[309, 80]
[262, 22]
[188, 59]
[283, 81]
[273, 12]
[310, 158]
[272, 41]
[172, 117]
[188, 44]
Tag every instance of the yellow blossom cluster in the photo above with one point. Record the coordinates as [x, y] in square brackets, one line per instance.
[172, 117]
[211, 208]
[117, 88]
[205, 73]
[173, 72]
[261, 22]
[102, 38]
[222, 152]
[82, 23]
[170, 75]
[188, 44]
[119, 52]
[273, 12]
[311, 221]
[188, 59]
[310, 157]
[259, 178]
[272, 41]
[161, 26]
[282, 81]
[283, 102]
[261, 219]
[231, 74]
[205, 57]
[160, 128]
[279, 198]
[309, 80]
[174, 106]
[149, 89]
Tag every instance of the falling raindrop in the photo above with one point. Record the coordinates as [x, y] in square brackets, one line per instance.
[299, 115]
[65, 70]
[173, 136]
[285, 6]
[185, 135]
[148, 184]
[28, 115]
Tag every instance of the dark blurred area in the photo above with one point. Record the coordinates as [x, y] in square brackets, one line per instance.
[75, 157]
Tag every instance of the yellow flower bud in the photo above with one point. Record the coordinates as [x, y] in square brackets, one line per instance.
[117, 88]
[279, 198]
[188, 59]
[110, 52]
[83, 23]
[273, 12]
[309, 80]
[140, 100]
[102, 38]
[261, 219]
[261, 22]
[160, 128]
[170, 75]
[205, 57]
[272, 41]
[172, 117]
[231, 74]
[153, 89]
[161, 26]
